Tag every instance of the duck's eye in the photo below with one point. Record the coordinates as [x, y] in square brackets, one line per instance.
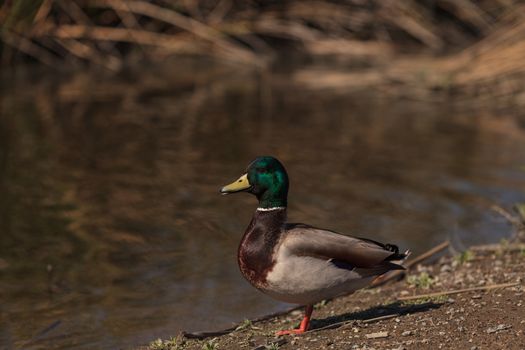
[239, 181]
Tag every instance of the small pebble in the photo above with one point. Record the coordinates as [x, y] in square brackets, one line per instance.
[446, 268]
[498, 328]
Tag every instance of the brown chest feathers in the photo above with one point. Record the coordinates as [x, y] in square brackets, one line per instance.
[256, 250]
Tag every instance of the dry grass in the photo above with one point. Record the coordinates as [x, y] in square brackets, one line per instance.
[469, 48]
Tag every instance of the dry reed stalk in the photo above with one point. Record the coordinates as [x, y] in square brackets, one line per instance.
[87, 52]
[172, 42]
[186, 23]
[285, 29]
[409, 20]
[43, 11]
[127, 18]
[26, 46]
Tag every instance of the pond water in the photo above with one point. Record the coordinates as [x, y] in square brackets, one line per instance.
[112, 231]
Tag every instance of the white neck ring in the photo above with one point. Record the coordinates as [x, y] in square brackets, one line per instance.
[270, 209]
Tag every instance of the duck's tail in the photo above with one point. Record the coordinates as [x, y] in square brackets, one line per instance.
[394, 262]
[396, 257]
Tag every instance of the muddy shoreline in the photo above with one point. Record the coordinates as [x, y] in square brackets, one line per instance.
[474, 300]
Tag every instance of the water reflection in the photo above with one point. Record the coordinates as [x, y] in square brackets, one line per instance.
[112, 229]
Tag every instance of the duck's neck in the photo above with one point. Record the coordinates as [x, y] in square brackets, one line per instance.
[255, 254]
[273, 198]
[264, 229]
[269, 219]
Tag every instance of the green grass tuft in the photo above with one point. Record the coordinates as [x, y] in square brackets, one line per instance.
[522, 251]
[210, 344]
[464, 257]
[272, 346]
[171, 344]
[520, 208]
[320, 304]
[244, 325]
[423, 280]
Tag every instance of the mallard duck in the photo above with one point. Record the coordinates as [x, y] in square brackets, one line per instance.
[298, 263]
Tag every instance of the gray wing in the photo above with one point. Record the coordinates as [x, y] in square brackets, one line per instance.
[304, 240]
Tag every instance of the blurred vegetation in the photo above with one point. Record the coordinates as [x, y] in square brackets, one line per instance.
[463, 48]
[243, 30]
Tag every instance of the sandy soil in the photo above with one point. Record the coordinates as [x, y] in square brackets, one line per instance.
[378, 319]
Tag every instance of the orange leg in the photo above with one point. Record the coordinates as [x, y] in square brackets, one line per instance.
[304, 323]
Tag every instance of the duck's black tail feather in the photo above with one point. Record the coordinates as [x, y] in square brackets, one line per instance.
[395, 253]
[396, 256]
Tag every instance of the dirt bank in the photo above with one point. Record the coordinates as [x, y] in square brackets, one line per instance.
[479, 305]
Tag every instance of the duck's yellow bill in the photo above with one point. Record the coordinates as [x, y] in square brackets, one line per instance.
[240, 184]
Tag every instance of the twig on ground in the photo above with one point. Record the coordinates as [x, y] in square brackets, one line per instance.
[428, 254]
[512, 247]
[457, 291]
[203, 335]
[381, 318]
[420, 258]
[515, 221]
[344, 323]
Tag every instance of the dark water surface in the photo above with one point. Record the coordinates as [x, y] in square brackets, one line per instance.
[112, 231]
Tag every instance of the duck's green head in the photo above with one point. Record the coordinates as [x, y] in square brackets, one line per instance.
[267, 179]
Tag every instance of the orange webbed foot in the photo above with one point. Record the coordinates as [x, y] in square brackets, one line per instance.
[290, 332]
[304, 324]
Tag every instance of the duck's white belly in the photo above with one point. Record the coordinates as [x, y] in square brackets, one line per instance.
[307, 280]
